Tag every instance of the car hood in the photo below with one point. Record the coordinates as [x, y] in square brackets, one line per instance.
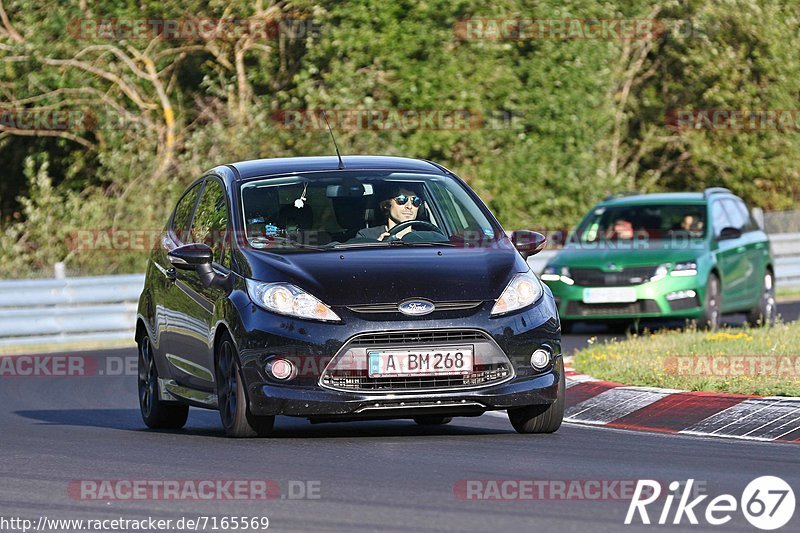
[630, 257]
[364, 276]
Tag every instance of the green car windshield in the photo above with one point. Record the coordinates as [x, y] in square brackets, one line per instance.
[335, 210]
[651, 222]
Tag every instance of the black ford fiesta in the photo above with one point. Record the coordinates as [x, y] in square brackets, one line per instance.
[328, 289]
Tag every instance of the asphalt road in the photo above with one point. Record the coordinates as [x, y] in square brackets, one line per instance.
[390, 476]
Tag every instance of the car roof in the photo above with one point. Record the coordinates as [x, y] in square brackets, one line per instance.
[657, 198]
[285, 165]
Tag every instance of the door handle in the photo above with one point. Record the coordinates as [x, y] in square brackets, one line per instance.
[171, 274]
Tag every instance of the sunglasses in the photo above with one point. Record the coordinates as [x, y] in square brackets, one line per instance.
[402, 199]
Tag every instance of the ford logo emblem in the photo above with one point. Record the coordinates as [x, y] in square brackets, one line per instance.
[416, 307]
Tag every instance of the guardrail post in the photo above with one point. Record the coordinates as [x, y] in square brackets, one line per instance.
[60, 270]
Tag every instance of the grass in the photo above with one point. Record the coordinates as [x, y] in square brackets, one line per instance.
[66, 346]
[788, 293]
[760, 361]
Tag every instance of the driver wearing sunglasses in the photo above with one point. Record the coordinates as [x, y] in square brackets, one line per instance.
[402, 206]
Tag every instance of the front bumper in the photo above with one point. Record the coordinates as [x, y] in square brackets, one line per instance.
[321, 403]
[651, 301]
[261, 337]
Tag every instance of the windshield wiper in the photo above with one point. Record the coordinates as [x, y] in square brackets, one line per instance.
[401, 242]
[398, 242]
[269, 242]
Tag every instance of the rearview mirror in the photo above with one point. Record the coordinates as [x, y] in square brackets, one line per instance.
[349, 190]
[528, 243]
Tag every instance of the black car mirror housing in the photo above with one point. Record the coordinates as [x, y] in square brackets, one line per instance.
[528, 243]
[729, 233]
[198, 257]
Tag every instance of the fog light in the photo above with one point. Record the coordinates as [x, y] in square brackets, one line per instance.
[282, 369]
[680, 295]
[540, 359]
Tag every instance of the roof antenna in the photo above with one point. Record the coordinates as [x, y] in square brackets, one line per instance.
[341, 163]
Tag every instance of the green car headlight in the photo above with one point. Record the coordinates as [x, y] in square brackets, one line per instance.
[554, 273]
[688, 268]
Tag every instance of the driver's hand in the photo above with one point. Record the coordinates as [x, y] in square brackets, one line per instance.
[383, 235]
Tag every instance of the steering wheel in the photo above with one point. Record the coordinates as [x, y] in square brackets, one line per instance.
[411, 223]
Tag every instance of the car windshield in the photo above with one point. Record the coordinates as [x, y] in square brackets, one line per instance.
[335, 210]
[653, 222]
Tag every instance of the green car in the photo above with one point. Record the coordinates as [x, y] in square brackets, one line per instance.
[686, 256]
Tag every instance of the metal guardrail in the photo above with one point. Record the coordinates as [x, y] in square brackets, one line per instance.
[782, 222]
[91, 309]
[96, 309]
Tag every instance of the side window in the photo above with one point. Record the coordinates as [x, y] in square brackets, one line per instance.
[749, 223]
[454, 211]
[210, 223]
[719, 217]
[739, 218]
[180, 219]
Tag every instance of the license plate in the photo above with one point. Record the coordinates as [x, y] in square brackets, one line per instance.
[609, 295]
[450, 361]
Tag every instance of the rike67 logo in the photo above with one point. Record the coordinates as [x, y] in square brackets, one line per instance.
[767, 503]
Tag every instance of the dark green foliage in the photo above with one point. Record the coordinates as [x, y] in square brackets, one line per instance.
[557, 124]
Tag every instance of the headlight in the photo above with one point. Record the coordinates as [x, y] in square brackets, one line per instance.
[660, 273]
[554, 273]
[286, 299]
[523, 290]
[550, 273]
[688, 268]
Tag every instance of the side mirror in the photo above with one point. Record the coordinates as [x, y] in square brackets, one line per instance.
[729, 233]
[198, 257]
[528, 243]
[191, 256]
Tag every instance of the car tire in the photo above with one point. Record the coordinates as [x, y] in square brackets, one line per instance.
[764, 314]
[234, 410]
[712, 316]
[156, 413]
[433, 420]
[545, 418]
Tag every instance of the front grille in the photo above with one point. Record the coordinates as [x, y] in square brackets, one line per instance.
[594, 277]
[404, 338]
[348, 369]
[684, 303]
[635, 308]
[392, 307]
[364, 383]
